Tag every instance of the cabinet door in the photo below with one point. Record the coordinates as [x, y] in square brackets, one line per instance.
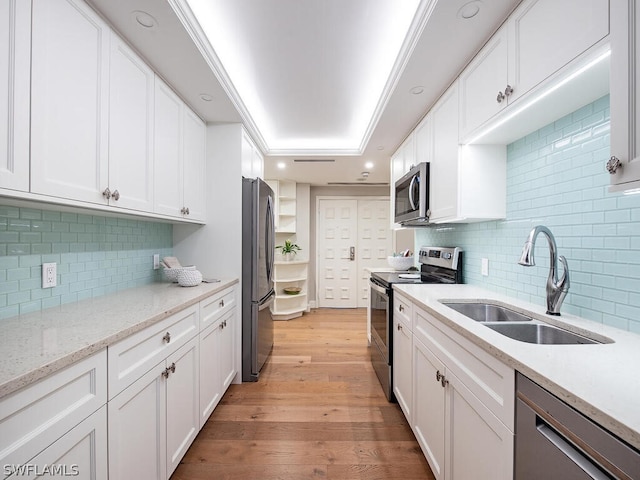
[227, 350]
[183, 419]
[429, 400]
[482, 82]
[481, 446]
[545, 35]
[443, 171]
[168, 179]
[194, 158]
[625, 85]
[403, 367]
[81, 453]
[210, 371]
[15, 56]
[424, 141]
[257, 163]
[137, 428]
[130, 129]
[246, 158]
[69, 100]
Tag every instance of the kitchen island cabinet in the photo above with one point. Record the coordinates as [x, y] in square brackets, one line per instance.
[15, 69]
[625, 88]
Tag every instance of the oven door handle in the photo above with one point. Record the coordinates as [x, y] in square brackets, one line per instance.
[378, 288]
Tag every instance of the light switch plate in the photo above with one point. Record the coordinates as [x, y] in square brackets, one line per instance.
[156, 261]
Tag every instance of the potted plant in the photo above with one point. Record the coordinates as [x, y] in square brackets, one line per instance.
[289, 249]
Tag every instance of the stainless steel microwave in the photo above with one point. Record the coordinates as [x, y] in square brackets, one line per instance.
[412, 197]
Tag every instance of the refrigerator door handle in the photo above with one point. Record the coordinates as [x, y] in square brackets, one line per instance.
[269, 239]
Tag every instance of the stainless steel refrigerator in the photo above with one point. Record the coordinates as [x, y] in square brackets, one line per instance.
[258, 251]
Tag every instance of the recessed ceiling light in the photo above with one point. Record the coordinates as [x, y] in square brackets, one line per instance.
[368, 165]
[417, 90]
[206, 97]
[282, 165]
[144, 19]
[365, 174]
[379, 147]
[469, 10]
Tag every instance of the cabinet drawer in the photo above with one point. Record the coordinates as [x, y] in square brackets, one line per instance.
[130, 358]
[487, 378]
[402, 310]
[34, 417]
[212, 308]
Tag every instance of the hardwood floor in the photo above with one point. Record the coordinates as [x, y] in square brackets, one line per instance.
[318, 412]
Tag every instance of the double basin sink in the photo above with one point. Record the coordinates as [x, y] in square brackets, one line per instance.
[519, 326]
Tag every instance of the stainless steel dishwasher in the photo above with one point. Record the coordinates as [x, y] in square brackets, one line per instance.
[554, 441]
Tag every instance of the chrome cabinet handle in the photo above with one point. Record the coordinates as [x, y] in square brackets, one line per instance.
[106, 193]
[184, 210]
[508, 90]
[440, 378]
[352, 253]
[169, 370]
[401, 308]
[165, 373]
[613, 165]
[172, 367]
[399, 327]
[167, 337]
[221, 303]
[116, 195]
[500, 97]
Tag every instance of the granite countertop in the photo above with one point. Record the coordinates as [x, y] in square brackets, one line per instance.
[37, 344]
[599, 380]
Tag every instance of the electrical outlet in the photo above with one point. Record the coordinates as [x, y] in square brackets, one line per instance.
[49, 275]
[485, 267]
[156, 261]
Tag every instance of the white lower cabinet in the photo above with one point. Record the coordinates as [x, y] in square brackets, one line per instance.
[40, 416]
[217, 349]
[462, 404]
[153, 422]
[80, 453]
[402, 355]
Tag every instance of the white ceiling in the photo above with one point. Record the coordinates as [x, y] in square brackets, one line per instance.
[306, 87]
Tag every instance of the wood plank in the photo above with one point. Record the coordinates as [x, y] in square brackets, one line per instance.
[318, 412]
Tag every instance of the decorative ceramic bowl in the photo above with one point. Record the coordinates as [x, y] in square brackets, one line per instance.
[172, 273]
[292, 290]
[189, 278]
[400, 263]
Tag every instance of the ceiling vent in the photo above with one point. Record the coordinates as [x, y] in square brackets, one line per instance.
[359, 184]
[314, 160]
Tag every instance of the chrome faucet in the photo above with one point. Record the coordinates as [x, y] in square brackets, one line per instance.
[556, 289]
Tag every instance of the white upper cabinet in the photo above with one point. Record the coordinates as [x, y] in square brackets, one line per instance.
[69, 100]
[482, 84]
[194, 155]
[131, 104]
[179, 152]
[545, 35]
[15, 56]
[444, 170]
[625, 85]
[168, 150]
[537, 41]
[252, 161]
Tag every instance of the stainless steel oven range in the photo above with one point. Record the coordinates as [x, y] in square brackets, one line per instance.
[437, 265]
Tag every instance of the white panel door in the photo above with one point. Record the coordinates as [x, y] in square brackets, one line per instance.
[374, 242]
[167, 151]
[337, 235]
[69, 100]
[15, 56]
[130, 129]
[194, 154]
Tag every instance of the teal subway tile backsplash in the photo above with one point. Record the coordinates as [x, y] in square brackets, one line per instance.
[556, 177]
[95, 255]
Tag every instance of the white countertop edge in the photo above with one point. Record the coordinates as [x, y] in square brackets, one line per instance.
[609, 395]
[22, 367]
